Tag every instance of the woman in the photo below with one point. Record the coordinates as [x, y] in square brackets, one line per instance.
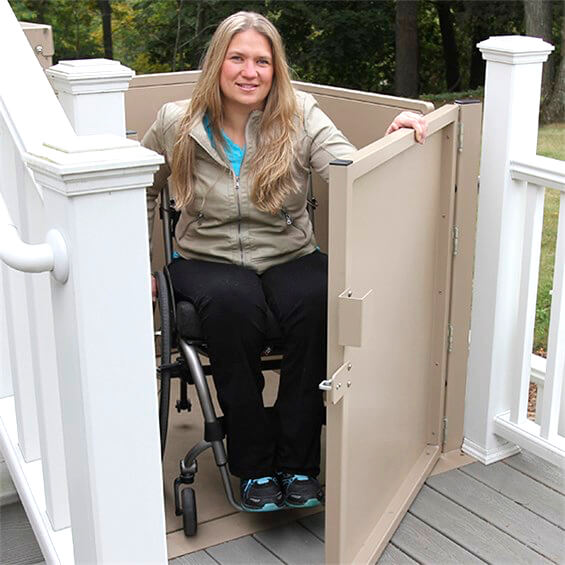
[240, 151]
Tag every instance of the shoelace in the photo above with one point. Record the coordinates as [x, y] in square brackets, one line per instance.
[261, 481]
[287, 480]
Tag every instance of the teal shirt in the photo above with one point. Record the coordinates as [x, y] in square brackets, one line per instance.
[234, 152]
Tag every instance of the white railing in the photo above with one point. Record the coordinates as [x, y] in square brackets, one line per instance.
[78, 411]
[509, 230]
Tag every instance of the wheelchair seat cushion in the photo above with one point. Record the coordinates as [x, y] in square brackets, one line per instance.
[188, 323]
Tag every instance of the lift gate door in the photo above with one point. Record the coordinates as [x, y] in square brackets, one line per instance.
[390, 248]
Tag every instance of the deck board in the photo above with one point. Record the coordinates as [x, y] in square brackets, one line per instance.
[469, 531]
[430, 547]
[315, 524]
[196, 558]
[524, 490]
[243, 551]
[538, 469]
[508, 516]
[394, 556]
[293, 544]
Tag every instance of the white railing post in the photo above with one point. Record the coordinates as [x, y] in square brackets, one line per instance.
[94, 191]
[510, 125]
[91, 92]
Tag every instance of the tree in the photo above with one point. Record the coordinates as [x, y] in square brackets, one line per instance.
[553, 109]
[450, 51]
[106, 11]
[406, 60]
[538, 16]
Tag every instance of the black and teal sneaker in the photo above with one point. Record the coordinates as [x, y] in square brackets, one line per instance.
[300, 491]
[261, 495]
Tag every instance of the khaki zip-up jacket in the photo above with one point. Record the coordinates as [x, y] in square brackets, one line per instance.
[222, 224]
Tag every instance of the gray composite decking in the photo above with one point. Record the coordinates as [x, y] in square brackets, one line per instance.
[507, 513]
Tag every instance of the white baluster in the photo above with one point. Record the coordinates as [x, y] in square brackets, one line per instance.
[16, 306]
[551, 421]
[6, 388]
[531, 250]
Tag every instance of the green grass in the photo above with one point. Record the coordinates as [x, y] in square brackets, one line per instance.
[551, 143]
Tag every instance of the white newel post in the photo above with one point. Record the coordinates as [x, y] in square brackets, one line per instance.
[91, 92]
[510, 125]
[94, 190]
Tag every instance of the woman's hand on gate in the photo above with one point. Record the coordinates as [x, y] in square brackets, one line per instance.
[412, 120]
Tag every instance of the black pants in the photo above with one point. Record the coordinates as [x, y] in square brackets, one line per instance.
[232, 303]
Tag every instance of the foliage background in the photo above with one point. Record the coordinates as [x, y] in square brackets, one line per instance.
[338, 42]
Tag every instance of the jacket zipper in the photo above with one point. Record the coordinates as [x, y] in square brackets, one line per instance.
[290, 221]
[199, 217]
[238, 217]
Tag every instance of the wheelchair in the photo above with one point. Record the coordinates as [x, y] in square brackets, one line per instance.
[181, 331]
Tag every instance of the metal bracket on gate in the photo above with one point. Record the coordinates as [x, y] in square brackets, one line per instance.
[338, 385]
[352, 317]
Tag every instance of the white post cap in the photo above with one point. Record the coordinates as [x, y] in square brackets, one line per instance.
[515, 49]
[90, 76]
[78, 165]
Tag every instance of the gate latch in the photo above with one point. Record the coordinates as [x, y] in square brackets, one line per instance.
[337, 386]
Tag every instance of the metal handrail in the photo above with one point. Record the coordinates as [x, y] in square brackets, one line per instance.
[32, 258]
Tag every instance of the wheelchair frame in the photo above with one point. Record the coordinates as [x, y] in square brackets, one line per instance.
[190, 370]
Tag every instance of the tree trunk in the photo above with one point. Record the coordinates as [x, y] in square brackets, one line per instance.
[554, 108]
[177, 37]
[198, 27]
[450, 52]
[106, 12]
[406, 71]
[478, 33]
[538, 17]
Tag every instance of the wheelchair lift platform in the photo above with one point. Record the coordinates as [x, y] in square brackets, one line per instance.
[218, 521]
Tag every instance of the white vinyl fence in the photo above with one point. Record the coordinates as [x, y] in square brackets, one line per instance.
[78, 411]
[509, 228]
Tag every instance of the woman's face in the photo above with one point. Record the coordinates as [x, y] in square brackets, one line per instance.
[247, 71]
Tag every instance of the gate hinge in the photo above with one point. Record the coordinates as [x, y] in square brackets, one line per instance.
[460, 136]
[455, 235]
[338, 385]
[449, 337]
[444, 426]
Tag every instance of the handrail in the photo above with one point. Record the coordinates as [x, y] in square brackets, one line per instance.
[32, 258]
[543, 171]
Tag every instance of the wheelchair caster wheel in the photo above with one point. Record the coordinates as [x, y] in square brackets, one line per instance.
[189, 512]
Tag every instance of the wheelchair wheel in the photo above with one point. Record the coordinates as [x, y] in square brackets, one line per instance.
[189, 522]
[166, 337]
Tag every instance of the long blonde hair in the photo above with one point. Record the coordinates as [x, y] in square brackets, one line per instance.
[273, 163]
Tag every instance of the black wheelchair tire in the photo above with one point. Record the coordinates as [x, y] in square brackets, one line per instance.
[189, 521]
[166, 336]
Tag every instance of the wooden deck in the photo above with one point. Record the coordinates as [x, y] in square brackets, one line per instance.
[507, 513]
